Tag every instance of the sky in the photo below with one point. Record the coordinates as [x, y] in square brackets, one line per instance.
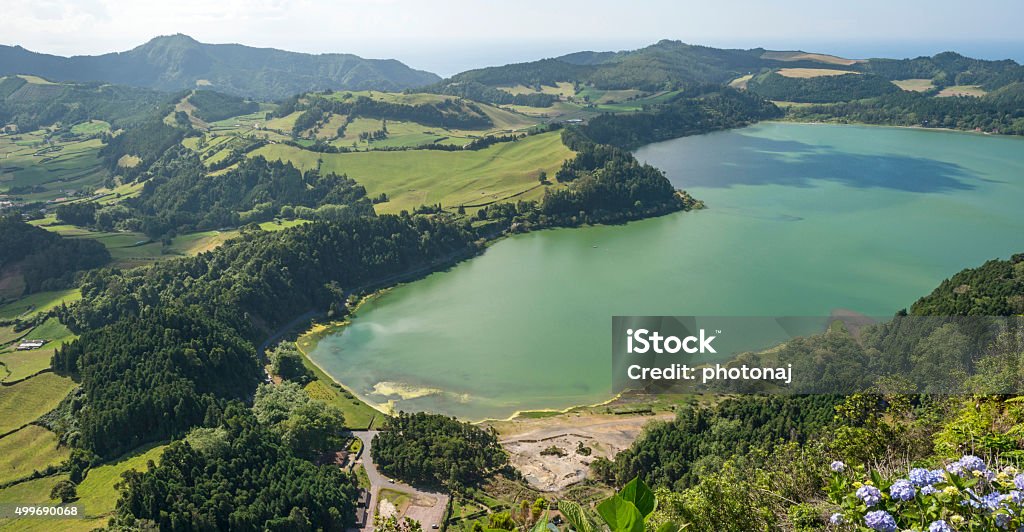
[448, 36]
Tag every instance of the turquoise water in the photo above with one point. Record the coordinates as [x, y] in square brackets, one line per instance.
[802, 220]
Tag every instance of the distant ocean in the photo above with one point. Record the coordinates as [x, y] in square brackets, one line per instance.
[448, 59]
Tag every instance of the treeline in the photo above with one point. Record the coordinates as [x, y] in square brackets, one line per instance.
[676, 454]
[995, 288]
[163, 347]
[948, 68]
[45, 260]
[434, 450]
[32, 105]
[697, 110]
[181, 197]
[474, 90]
[449, 113]
[999, 112]
[820, 89]
[212, 106]
[147, 141]
[153, 375]
[239, 476]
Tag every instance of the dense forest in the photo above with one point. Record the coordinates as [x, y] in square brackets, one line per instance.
[820, 89]
[449, 113]
[434, 450]
[239, 476]
[45, 260]
[212, 106]
[30, 106]
[998, 112]
[699, 109]
[179, 197]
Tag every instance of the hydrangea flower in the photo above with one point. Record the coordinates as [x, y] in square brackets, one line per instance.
[880, 520]
[1019, 481]
[902, 490]
[920, 476]
[939, 526]
[1016, 496]
[1002, 520]
[869, 494]
[837, 519]
[969, 462]
[837, 466]
[928, 490]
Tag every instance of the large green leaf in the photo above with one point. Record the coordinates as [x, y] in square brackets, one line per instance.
[621, 515]
[575, 516]
[542, 523]
[640, 495]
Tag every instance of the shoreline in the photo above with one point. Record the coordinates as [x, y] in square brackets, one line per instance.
[891, 126]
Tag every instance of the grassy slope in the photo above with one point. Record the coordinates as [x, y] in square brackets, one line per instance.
[412, 178]
[39, 302]
[32, 448]
[96, 493]
[18, 365]
[24, 402]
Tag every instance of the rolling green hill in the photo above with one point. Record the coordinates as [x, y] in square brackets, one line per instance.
[180, 62]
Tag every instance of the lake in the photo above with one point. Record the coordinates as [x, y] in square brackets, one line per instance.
[802, 220]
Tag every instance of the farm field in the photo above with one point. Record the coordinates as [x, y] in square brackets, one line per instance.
[96, 493]
[914, 85]
[24, 402]
[804, 56]
[812, 72]
[562, 89]
[413, 178]
[17, 365]
[33, 304]
[741, 82]
[41, 171]
[30, 449]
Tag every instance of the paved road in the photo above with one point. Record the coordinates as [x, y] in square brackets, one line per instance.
[426, 515]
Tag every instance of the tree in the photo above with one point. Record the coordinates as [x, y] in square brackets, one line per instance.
[64, 491]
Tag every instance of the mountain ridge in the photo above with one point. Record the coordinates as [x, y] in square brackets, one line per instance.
[175, 62]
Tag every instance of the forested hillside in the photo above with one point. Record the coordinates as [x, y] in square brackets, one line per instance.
[177, 62]
[44, 260]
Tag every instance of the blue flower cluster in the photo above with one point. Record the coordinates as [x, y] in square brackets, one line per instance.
[966, 494]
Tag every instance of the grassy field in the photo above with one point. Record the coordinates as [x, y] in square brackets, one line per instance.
[24, 402]
[413, 178]
[8, 335]
[812, 72]
[97, 496]
[637, 104]
[740, 82]
[914, 85]
[96, 492]
[32, 448]
[962, 90]
[59, 168]
[31, 305]
[562, 89]
[17, 365]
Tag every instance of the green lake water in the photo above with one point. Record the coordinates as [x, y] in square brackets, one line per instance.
[802, 220]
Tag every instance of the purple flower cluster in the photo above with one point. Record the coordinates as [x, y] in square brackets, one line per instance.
[902, 490]
[881, 521]
[939, 526]
[869, 494]
[837, 466]
[922, 477]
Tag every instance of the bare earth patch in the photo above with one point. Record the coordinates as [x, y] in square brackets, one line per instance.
[604, 434]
